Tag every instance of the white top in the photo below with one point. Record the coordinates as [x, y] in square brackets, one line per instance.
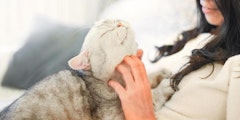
[216, 97]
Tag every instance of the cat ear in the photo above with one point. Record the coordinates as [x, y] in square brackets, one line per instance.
[81, 61]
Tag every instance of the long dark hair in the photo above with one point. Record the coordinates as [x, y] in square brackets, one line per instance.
[224, 45]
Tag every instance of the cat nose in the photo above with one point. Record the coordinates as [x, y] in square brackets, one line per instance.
[119, 25]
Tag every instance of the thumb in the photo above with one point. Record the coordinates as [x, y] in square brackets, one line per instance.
[139, 53]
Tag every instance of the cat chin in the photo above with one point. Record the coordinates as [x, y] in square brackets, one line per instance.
[108, 94]
[103, 90]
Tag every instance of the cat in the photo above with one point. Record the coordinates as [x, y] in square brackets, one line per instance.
[83, 92]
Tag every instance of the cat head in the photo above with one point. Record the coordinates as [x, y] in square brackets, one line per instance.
[104, 47]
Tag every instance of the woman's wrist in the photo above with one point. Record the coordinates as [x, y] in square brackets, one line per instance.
[147, 116]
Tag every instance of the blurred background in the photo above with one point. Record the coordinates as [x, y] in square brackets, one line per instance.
[31, 29]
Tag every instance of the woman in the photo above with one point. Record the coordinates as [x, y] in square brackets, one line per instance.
[207, 87]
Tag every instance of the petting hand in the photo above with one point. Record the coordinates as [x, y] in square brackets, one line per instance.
[136, 98]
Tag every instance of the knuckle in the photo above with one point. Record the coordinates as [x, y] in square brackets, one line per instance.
[122, 69]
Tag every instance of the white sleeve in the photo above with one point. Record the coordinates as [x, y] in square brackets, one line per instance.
[233, 99]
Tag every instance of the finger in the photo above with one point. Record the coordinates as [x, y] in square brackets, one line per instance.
[126, 75]
[140, 65]
[118, 88]
[134, 65]
[139, 53]
[137, 68]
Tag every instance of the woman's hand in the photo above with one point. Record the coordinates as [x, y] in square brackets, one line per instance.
[136, 98]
